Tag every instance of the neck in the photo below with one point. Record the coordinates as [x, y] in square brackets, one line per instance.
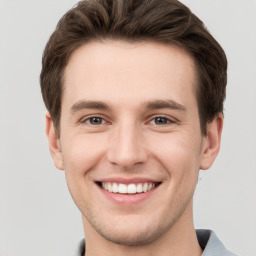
[179, 240]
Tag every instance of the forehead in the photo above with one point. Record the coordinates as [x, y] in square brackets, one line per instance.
[114, 70]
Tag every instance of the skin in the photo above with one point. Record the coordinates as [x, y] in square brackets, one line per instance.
[133, 84]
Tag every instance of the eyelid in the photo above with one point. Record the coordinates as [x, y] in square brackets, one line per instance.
[88, 117]
[171, 120]
[87, 120]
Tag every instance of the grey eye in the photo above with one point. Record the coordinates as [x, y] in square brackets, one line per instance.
[95, 120]
[161, 120]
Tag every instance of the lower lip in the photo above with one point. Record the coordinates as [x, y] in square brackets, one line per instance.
[128, 199]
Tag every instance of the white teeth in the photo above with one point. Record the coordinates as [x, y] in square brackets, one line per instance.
[145, 187]
[139, 188]
[129, 188]
[115, 188]
[122, 188]
[109, 187]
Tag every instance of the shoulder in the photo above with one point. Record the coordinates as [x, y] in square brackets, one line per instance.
[80, 249]
[207, 239]
[211, 245]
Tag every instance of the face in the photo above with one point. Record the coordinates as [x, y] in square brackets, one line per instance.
[130, 140]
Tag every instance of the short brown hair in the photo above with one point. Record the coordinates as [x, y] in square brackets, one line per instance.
[166, 21]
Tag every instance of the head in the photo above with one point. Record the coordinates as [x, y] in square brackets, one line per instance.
[136, 21]
[135, 93]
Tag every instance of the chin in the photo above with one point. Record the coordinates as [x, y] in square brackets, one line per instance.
[132, 233]
[131, 238]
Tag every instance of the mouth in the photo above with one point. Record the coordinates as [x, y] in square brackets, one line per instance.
[132, 188]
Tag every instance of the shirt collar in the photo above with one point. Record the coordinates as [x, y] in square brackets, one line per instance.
[207, 239]
[210, 244]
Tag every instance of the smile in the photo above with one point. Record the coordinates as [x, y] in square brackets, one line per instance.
[133, 188]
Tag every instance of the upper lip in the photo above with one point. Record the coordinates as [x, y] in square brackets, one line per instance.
[128, 180]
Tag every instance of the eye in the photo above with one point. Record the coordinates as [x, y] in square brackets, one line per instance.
[161, 121]
[95, 120]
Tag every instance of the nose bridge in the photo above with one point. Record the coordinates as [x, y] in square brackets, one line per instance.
[126, 145]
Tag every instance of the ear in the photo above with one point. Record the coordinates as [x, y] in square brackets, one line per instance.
[211, 142]
[54, 143]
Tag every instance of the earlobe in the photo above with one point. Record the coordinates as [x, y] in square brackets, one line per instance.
[211, 144]
[54, 143]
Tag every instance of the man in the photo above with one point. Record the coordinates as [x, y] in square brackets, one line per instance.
[134, 91]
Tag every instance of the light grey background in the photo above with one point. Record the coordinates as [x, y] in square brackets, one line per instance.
[37, 215]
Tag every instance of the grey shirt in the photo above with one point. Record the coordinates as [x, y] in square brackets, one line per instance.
[207, 239]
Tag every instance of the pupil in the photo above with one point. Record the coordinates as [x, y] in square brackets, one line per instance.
[161, 120]
[96, 120]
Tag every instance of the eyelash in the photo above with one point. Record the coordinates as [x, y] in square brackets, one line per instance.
[166, 120]
[90, 119]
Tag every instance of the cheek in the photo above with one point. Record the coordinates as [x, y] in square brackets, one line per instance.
[81, 153]
[80, 156]
[179, 154]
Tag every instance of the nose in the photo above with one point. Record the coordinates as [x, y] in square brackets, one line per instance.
[127, 147]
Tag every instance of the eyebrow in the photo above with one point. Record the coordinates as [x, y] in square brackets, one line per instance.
[158, 104]
[149, 105]
[87, 104]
